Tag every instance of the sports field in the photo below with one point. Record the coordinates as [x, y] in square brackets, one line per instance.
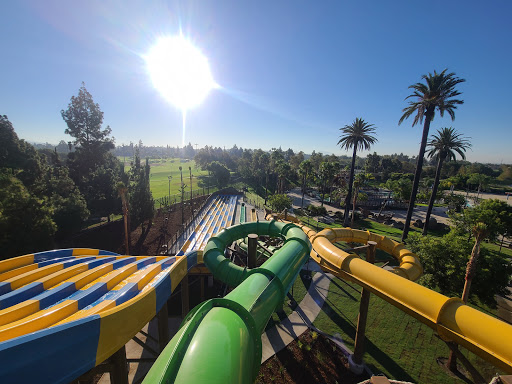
[162, 168]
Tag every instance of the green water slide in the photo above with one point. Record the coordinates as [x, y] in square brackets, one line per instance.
[220, 340]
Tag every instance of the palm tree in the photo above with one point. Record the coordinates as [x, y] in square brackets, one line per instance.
[359, 181]
[358, 135]
[305, 169]
[438, 92]
[444, 146]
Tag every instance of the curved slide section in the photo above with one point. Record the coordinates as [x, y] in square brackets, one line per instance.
[220, 340]
[63, 312]
[453, 320]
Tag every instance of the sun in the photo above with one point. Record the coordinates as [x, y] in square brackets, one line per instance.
[179, 71]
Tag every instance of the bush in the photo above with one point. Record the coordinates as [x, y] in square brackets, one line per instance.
[315, 210]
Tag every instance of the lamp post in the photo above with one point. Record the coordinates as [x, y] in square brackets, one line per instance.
[191, 189]
[170, 178]
[182, 197]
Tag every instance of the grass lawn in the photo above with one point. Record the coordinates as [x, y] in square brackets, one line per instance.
[397, 345]
[162, 168]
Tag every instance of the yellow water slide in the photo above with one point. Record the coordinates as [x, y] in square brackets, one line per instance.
[453, 320]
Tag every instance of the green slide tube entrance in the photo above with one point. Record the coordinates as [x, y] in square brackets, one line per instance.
[220, 340]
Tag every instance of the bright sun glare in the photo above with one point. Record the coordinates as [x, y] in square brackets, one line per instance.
[179, 71]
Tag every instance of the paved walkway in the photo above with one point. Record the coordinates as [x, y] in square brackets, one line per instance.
[300, 320]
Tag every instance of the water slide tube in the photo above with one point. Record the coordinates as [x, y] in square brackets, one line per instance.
[453, 320]
[242, 213]
[220, 340]
[63, 312]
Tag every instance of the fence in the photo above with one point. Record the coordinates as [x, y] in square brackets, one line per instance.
[169, 200]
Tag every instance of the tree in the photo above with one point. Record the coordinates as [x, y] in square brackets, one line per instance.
[140, 197]
[220, 173]
[326, 175]
[372, 163]
[444, 145]
[94, 170]
[444, 261]
[123, 191]
[84, 119]
[479, 179]
[360, 181]
[26, 224]
[487, 220]
[438, 93]
[305, 169]
[358, 135]
[280, 202]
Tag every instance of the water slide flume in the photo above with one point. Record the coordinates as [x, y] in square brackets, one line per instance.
[484, 335]
[63, 312]
[220, 340]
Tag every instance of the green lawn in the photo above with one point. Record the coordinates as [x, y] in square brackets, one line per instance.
[162, 168]
[397, 345]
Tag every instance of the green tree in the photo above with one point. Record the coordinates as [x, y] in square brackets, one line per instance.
[479, 179]
[20, 157]
[445, 145]
[358, 135]
[444, 261]
[305, 170]
[84, 119]
[360, 181]
[326, 175]
[220, 174]
[280, 202]
[94, 170]
[69, 206]
[372, 163]
[401, 187]
[487, 220]
[438, 93]
[26, 223]
[139, 192]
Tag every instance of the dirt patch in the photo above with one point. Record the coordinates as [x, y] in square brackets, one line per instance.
[110, 236]
[312, 358]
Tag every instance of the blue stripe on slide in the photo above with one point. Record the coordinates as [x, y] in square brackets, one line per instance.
[20, 294]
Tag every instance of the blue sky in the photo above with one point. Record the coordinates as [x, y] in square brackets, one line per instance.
[291, 73]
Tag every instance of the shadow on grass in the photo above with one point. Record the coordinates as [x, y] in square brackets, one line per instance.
[349, 328]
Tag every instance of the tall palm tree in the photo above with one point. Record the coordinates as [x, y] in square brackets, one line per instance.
[358, 135]
[438, 93]
[445, 145]
[305, 169]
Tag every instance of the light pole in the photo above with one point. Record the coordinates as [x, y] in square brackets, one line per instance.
[170, 178]
[182, 197]
[191, 189]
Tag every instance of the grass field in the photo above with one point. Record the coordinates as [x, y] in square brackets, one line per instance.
[397, 345]
[162, 168]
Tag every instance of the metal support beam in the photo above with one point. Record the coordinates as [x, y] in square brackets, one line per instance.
[185, 307]
[252, 245]
[119, 373]
[363, 309]
[163, 327]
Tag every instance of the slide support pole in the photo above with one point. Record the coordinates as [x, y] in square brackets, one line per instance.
[363, 310]
[252, 244]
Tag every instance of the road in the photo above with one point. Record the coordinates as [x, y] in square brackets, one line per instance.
[438, 213]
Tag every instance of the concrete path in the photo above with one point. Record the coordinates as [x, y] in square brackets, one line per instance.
[138, 369]
[278, 337]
